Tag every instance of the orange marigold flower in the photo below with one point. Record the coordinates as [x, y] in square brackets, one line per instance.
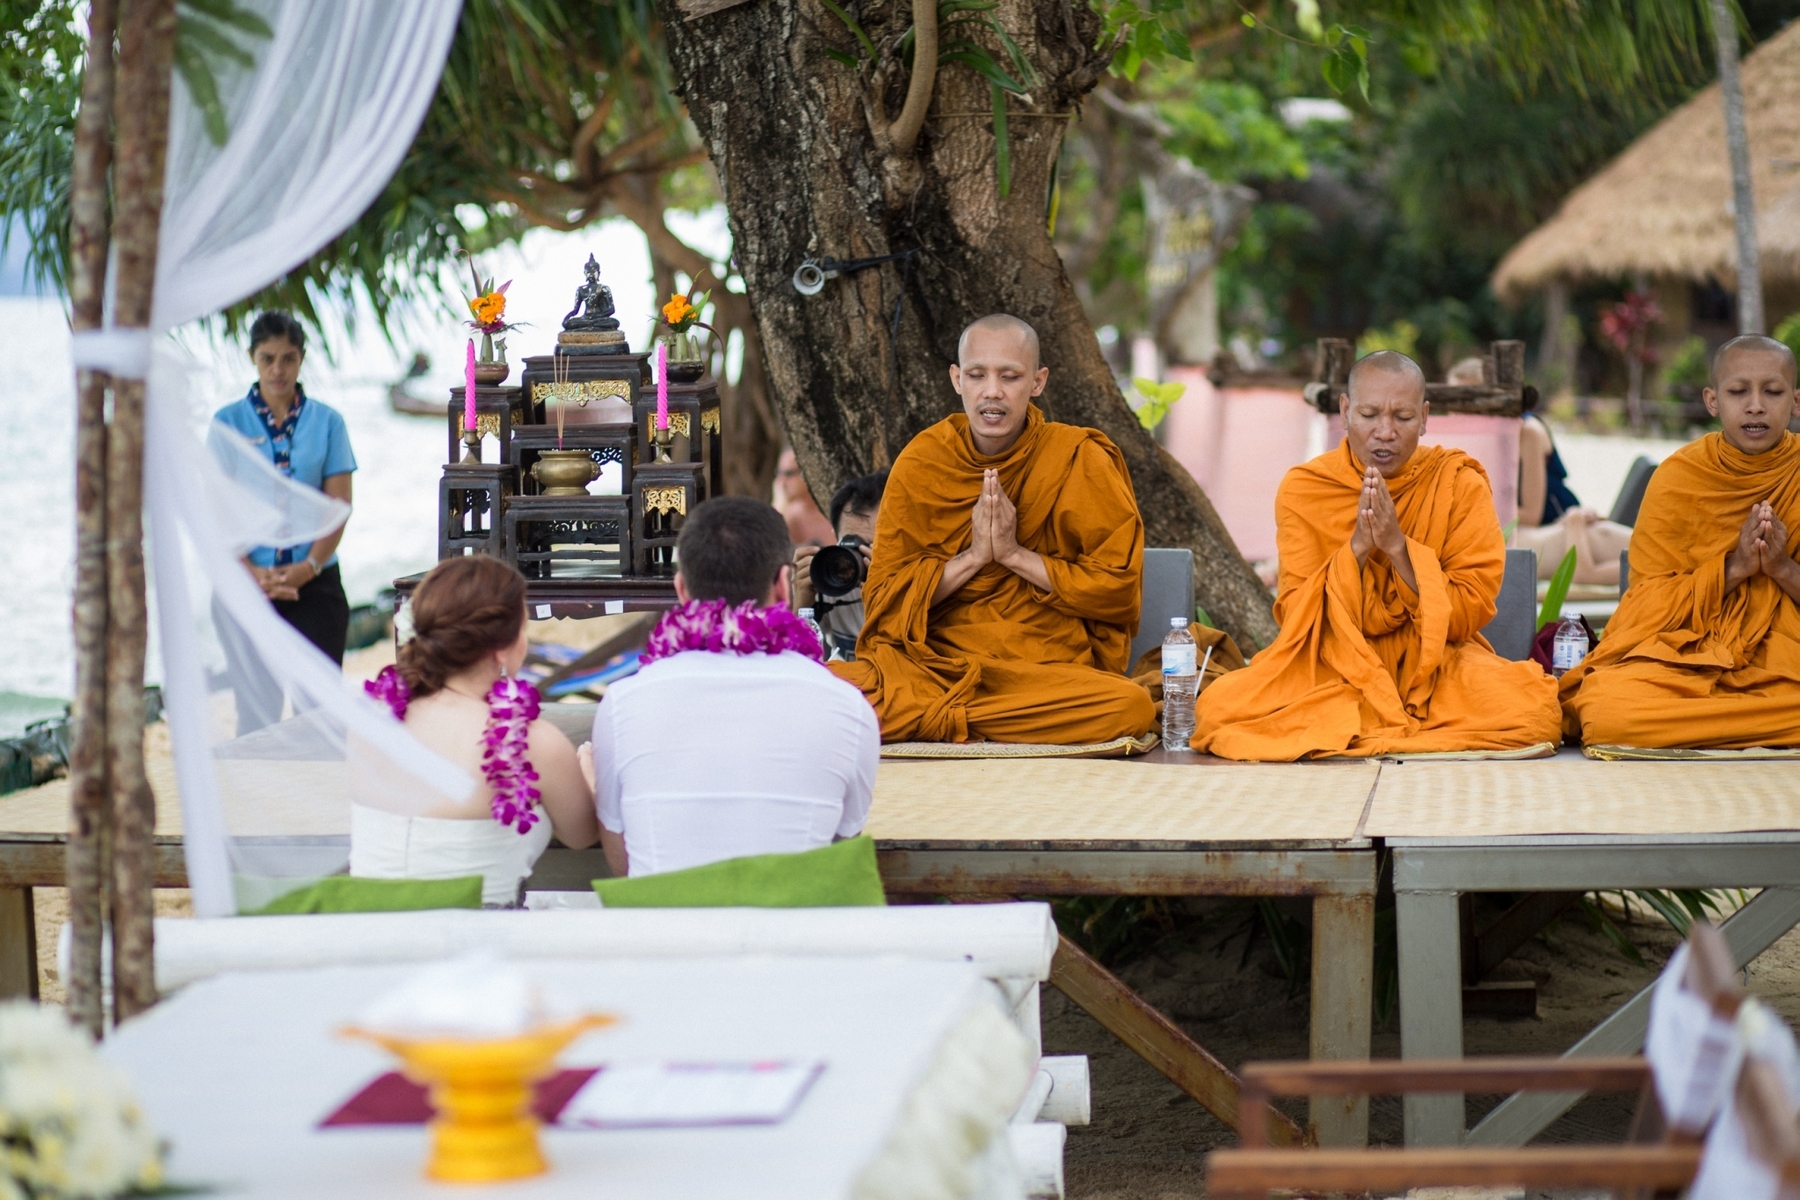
[678, 310]
[488, 308]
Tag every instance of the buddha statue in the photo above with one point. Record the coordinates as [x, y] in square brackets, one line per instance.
[590, 327]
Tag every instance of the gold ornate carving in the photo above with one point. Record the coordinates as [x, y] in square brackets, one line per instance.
[678, 423]
[666, 499]
[488, 422]
[709, 421]
[580, 393]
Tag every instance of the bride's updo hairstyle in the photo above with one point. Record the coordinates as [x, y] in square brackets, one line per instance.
[462, 611]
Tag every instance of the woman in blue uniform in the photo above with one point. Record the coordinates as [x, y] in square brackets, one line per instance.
[306, 441]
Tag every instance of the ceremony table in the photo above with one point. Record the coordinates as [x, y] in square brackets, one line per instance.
[1567, 824]
[238, 1071]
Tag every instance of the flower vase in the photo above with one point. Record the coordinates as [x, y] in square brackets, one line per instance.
[685, 362]
[488, 369]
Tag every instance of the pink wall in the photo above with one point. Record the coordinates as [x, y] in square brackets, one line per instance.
[1238, 443]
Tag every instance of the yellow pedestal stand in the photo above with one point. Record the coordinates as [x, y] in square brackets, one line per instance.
[485, 1131]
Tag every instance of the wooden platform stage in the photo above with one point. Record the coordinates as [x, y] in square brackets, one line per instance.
[1181, 824]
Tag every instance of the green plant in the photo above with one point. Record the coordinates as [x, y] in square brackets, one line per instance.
[1788, 332]
[1158, 399]
[1688, 364]
[1558, 591]
[1402, 335]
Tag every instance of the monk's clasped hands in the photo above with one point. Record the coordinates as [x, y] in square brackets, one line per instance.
[1377, 524]
[1762, 550]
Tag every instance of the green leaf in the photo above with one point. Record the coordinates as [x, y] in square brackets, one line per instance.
[1002, 144]
[849, 60]
[969, 55]
[1201, 616]
[1558, 590]
[851, 24]
[200, 85]
[1158, 399]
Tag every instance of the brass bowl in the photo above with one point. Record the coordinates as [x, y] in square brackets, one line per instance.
[565, 472]
[487, 374]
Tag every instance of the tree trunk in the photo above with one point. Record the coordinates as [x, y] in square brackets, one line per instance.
[805, 155]
[141, 117]
[89, 864]
[1743, 196]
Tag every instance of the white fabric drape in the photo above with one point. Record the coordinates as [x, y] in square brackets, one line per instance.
[317, 127]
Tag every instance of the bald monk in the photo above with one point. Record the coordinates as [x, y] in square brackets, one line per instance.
[1704, 650]
[1008, 569]
[1391, 558]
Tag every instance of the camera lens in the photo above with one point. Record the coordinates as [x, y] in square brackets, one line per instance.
[837, 571]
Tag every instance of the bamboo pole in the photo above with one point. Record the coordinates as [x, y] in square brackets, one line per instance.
[141, 118]
[1743, 196]
[89, 862]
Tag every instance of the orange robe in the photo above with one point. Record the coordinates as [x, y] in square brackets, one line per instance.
[1000, 660]
[1363, 665]
[1683, 662]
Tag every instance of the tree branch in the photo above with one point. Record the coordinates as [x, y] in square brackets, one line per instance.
[905, 130]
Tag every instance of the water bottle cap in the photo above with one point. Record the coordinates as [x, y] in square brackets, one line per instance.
[1178, 622]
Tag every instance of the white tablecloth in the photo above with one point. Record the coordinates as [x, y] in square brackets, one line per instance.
[238, 1070]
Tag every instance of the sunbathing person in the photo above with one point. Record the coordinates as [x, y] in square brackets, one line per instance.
[1551, 517]
[453, 687]
[1391, 559]
[1704, 650]
[733, 739]
[1008, 569]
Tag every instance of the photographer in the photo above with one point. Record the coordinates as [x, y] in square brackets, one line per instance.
[835, 596]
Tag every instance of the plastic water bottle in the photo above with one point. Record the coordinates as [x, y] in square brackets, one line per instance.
[1181, 683]
[806, 615]
[1569, 648]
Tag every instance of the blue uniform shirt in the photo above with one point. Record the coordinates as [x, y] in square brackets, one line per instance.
[318, 448]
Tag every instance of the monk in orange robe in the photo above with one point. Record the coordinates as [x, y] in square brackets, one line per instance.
[1704, 650]
[1391, 560]
[1008, 569]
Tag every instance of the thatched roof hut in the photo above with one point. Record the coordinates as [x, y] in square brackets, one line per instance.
[1662, 208]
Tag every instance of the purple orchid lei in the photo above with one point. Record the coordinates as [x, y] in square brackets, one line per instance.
[513, 705]
[716, 626]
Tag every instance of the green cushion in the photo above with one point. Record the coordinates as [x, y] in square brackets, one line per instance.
[341, 893]
[841, 875]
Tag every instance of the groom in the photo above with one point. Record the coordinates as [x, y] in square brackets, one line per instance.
[790, 750]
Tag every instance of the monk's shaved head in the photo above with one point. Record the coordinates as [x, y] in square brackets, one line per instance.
[1386, 362]
[1003, 323]
[1757, 343]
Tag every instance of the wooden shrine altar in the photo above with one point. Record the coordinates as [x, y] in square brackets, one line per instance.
[585, 548]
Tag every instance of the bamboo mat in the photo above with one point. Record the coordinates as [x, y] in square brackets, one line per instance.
[1571, 794]
[1120, 747]
[261, 799]
[1087, 800]
[1539, 750]
[1646, 754]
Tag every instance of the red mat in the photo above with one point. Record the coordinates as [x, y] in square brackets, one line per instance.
[393, 1099]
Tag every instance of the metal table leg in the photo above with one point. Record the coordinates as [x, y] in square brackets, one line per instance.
[1430, 1006]
[1343, 978]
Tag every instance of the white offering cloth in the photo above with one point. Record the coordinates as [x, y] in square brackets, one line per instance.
[1001, 941]
[920, 1074]
[1694, 1052]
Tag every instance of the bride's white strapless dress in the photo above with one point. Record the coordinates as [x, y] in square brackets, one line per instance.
[385, 845]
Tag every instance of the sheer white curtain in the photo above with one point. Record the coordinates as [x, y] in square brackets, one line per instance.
[318, 126]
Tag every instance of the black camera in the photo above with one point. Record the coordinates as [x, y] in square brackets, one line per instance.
[839, 570]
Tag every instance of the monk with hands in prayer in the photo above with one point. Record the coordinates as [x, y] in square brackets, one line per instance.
[1391, 561]
[1704, 650]
[1008, 569]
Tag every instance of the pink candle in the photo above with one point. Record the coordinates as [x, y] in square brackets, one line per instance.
[662, 385]
[469, 421]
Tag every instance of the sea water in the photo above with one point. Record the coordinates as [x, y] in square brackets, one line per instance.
[393, 528]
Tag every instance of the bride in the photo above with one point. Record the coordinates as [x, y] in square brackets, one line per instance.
[453, 687]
